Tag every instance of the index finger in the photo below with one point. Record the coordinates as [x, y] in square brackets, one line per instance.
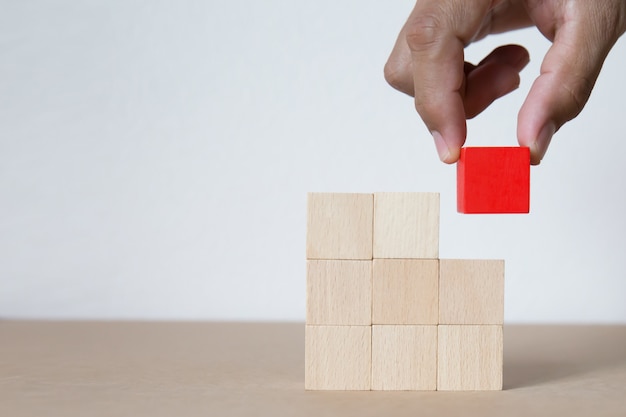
[437, 33]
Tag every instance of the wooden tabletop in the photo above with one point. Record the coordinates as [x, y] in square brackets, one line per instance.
[242, 369]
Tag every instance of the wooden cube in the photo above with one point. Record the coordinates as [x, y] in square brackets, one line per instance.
[471, 291]
[469, 358]
[406, 225]
[339, 226]
[404, 358]
[405, 291]
[493, 180]
[339, 292]
[338, 357]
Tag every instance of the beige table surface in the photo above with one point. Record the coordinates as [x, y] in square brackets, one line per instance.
[238, 369]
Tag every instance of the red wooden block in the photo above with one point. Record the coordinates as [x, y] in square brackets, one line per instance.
[493, 180]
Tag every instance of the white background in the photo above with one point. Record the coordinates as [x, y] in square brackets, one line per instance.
[155, 156]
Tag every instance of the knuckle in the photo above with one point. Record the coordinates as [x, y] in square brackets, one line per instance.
[393, 74]
[421, 105]
[424, 31]
[578, 92]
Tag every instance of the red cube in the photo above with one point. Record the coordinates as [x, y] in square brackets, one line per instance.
[493, 180]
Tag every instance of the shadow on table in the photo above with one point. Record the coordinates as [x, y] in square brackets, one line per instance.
[547, 356]
[525, 374]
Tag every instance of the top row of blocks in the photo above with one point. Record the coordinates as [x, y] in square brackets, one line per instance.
[345, 226]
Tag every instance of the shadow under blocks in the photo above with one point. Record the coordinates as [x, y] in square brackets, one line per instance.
[384, 312]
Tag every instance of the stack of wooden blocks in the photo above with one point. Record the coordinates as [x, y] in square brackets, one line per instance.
[384, 312]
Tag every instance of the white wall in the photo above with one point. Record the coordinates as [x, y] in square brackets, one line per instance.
[155, 155]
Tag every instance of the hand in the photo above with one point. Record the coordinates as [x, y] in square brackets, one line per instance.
[427, 62]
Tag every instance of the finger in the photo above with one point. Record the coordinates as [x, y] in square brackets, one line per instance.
[436, 35]
[494, 77]
[507, 16]
[503, 16]
[568, 73]
[398, 71]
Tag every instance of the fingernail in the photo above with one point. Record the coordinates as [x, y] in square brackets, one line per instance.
[540, 146]
[442, 146]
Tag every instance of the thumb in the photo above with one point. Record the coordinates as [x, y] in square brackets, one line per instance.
[568, 74]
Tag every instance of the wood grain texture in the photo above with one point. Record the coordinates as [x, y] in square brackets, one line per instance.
[163, 369]
[471, 291]
[404, 358]
[405, 291]
[339, 226]
[406, 225]
[469, 358]
[339, 292]
[338, 358]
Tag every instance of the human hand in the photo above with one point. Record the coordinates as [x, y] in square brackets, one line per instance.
[427, 62]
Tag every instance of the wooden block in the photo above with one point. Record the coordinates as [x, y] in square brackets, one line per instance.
[404, 358]
[339, 226]
[339, 292]
[406, 225]
[405, 291]
[471, 291]
[469, 358]
[338, 357]
[493, 180]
